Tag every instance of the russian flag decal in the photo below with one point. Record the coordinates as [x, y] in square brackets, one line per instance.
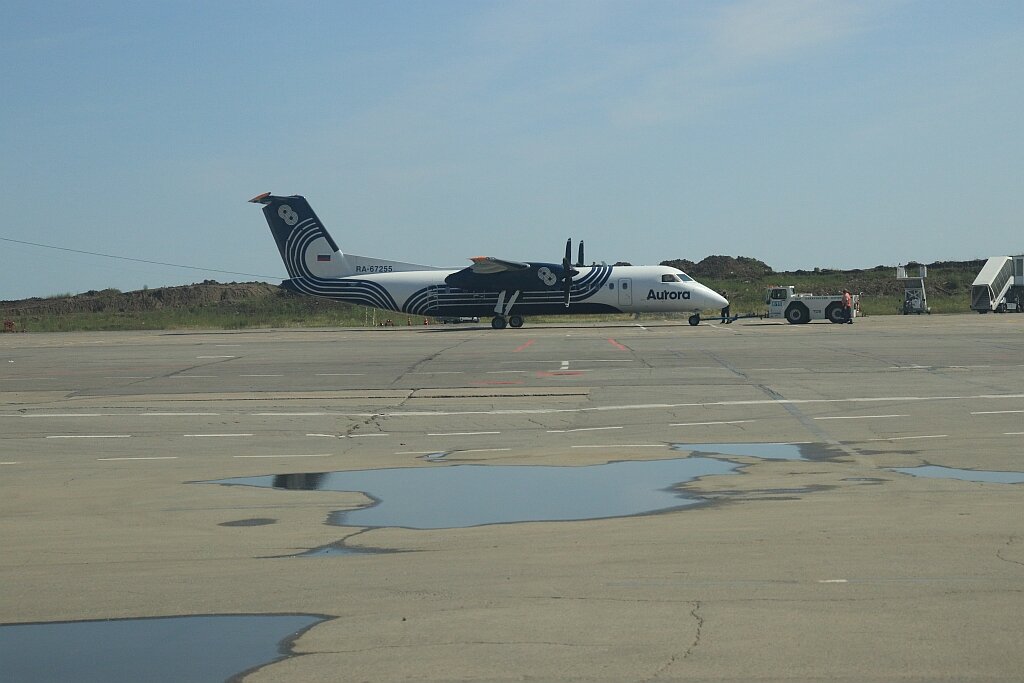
[323, 257]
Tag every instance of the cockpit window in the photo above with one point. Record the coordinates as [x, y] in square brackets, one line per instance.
[685, 278]
[669, 277]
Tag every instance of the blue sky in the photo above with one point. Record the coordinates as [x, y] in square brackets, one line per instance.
[802, 133]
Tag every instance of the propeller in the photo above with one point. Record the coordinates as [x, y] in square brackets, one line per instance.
[568, 272]
[579, 261]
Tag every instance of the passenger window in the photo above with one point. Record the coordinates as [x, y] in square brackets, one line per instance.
[611, 285]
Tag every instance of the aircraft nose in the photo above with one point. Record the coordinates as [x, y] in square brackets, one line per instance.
[716, 300]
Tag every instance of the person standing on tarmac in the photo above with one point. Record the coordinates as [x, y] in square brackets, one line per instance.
[847, 306]
[725, 311]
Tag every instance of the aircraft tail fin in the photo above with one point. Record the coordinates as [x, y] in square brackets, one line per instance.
[306, 247]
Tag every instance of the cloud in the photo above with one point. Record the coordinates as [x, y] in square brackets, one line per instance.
[755, 31]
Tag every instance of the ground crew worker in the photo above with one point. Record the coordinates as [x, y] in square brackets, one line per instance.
[847, 306]
[725, 311]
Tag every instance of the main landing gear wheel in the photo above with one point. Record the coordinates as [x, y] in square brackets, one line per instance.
[498, 323]
[515, 321]
[695, 319]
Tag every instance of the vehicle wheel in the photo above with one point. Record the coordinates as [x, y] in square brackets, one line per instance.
[498, 323]
[797, 314]
[834, 313]
[695, 319]
[515, 321]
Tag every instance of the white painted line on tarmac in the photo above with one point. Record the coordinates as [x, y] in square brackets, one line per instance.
[663, 406]
[66, 415]
[1012, 433]
[225, 345]
[329, 436]
[460, 433]
[644, 406]
[206, 357]
[173, 414]
[304, 455]
[290, 414]
[483, 450]
[261, 375]
[363, 436]
[90, 436]
[154, 457]
[208, 436]
[994, 412]
[858, 417]
[833, 581]
[565, 365]
[906, 438]
[26, 379]
[581, 429]
[507, 372]
[571, 360]
[624, 445]
[10, 463]
[719, 422]
[777, 369]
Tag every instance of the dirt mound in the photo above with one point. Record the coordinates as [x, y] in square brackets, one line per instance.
[723, 267]
[205, 293]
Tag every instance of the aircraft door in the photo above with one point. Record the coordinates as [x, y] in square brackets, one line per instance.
[625, 291]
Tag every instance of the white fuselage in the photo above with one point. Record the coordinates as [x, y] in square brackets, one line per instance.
[595, 289]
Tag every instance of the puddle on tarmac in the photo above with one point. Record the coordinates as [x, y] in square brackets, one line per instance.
[458, 496]
[936, 472]
[204, 648]
[765, 451]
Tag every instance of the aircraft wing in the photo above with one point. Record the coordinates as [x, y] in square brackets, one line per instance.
[488, 265]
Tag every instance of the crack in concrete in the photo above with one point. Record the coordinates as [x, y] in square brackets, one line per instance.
[695, 613]
[423, 361]
[999, 553]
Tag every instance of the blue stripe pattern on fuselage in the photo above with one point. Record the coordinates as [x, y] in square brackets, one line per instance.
[437, 299]
[346, 289]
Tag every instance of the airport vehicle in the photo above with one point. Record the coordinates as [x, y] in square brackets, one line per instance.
[796, 308]
[506, 290]
[999, 286]
[456, 320]
[915, 300]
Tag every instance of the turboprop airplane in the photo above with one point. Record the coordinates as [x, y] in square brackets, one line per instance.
[505, 290]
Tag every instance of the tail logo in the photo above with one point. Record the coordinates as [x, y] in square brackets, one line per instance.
[288, 215]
